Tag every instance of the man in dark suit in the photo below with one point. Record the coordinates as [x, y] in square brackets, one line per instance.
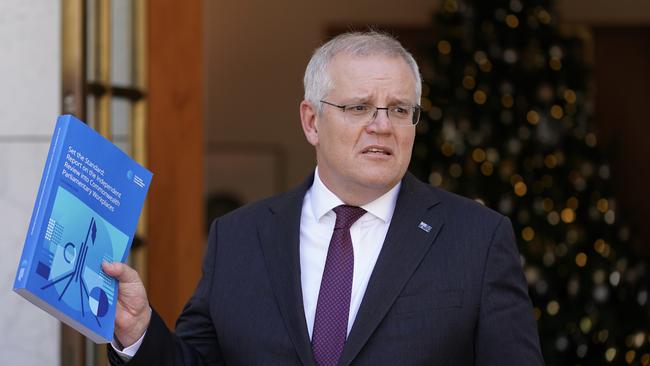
[360, 265]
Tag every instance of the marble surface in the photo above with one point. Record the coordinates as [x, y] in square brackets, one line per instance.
[28, 336]
[30, 67]
[29, 104]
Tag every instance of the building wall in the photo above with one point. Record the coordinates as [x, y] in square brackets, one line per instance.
[29, 104]
[256, 53]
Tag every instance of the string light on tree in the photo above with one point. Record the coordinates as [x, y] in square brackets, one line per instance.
[506, 123]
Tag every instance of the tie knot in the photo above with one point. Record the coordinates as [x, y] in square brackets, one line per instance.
[347, 215]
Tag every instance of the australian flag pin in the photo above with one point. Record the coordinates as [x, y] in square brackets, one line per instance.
[424, 226]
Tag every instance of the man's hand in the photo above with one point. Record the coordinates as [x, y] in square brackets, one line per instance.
[133, 313]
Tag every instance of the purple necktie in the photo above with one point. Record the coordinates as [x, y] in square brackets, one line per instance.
[333, 308]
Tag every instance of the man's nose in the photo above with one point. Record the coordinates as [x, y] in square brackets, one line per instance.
[380, 123]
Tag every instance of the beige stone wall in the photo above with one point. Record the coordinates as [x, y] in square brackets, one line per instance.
[30, 70]
[256, 53]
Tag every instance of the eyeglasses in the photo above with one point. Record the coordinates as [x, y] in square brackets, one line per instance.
[399, 115]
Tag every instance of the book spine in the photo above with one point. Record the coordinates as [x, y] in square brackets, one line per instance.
[56, 151]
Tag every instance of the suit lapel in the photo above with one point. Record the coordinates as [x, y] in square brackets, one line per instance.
[280, 241]
[405, 245]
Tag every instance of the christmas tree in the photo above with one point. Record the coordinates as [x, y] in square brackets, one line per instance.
[506, 121]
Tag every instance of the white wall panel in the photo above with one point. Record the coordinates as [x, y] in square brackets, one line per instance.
[29, 104]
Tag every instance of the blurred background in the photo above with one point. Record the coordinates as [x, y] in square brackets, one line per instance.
[537, 109]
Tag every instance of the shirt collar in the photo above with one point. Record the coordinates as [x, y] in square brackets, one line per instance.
[323, 201]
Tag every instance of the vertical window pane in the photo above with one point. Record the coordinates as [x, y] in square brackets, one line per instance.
[91, 40]
[121, 42]
[90, 111]
[121, 123]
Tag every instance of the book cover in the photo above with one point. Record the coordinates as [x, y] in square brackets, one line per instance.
[86, 211]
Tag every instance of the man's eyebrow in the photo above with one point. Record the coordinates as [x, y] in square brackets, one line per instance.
[367, 99]
[363, 98]
[401, 101]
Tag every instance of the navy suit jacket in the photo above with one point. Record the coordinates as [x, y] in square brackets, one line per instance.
[449, 292]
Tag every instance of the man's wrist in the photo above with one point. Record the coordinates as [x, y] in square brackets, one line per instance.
[125, 339]
[117, 345]
[126, 353]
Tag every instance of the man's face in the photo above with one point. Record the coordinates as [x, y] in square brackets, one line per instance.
[366, 160]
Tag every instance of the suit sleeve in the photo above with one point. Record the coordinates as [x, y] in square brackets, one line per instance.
[195, 342]
[506, 333]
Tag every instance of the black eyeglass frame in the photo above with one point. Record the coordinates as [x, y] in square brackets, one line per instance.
[416, 110]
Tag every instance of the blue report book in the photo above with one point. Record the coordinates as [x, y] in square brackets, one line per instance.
[86, 211]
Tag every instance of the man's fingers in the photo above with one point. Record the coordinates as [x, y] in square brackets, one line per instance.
[121, 272]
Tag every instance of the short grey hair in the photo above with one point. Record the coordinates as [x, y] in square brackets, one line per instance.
[317, 81]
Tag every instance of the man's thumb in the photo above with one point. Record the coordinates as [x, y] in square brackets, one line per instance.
[120, 272]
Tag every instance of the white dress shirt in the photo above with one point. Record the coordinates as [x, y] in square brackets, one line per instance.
[316, 227]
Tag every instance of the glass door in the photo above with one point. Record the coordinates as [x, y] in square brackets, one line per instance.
[104, 83]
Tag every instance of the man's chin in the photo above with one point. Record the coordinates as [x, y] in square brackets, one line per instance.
[379, 182]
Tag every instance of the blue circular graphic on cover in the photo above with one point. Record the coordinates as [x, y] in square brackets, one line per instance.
[80, 241]
[129, 174]
[98, 302]
[69, 252]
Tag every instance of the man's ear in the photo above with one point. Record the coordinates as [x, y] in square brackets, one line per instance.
[308, 119]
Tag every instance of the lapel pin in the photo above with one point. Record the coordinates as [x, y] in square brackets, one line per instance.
[424, 226]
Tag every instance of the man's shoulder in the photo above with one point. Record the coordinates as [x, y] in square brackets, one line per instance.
[460, 208]
[260, 209]
[462, 205]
